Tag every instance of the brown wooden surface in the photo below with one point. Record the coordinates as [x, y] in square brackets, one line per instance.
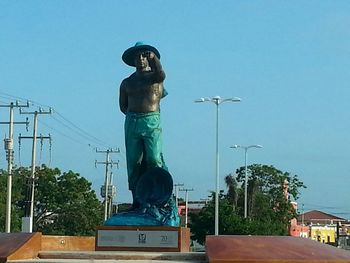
[67, 243]
[183, 242]
[19, 246]
[268, 249]
[185, 239]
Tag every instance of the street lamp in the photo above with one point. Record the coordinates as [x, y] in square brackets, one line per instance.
[217, 100]
[186, 200]
[176, 190]
[245, 171]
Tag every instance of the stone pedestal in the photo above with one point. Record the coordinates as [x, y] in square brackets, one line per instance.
[142, 238]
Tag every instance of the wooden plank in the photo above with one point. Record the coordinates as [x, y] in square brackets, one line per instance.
[67, 243]
[268, 249]
[19, 246]
[185, 239]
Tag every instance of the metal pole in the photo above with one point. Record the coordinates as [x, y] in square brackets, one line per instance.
[186, 208]
[217, 100]
[31, 215]
[186, 203]
[9, 145]
[217, 171]
[27, 221]
[177, 193]
[106, 182]
[110, 203]
[246, 173]
[106, 185]
[9, 157]
[245, 183]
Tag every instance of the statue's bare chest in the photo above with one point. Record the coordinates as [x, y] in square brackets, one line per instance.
[139, 87]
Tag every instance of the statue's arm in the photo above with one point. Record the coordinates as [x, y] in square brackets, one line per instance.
[123, 97]
[158, 72]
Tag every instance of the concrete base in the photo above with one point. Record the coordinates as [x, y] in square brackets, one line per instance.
[142, 238]
[121, 256]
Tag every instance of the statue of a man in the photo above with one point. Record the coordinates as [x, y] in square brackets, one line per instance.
[139, 100]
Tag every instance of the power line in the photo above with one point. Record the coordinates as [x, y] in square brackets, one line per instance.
[77, 129]
[62, 120]
[21, 99]
[70, 130]
[65, 135]
[93, 137]
[317, 206]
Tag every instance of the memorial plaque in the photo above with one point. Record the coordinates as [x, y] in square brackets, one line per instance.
[143, 238]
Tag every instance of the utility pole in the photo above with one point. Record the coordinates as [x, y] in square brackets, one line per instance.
[176, 190]
[186, 200]
[27, 221]
[106, 187]
[9, 157]
[110, 195]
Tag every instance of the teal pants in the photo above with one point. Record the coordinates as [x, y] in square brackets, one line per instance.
[143, 144]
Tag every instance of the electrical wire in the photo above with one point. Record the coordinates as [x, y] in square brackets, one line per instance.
[63, 120]
[74, 134]
[335, 210]
[78, 131]
[64, 135]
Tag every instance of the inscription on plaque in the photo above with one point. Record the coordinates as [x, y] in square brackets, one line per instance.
[134, 238]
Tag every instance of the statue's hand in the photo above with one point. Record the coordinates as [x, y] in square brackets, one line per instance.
[150, 54]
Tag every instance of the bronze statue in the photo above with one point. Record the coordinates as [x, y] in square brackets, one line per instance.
[149, 180]
[139, 100]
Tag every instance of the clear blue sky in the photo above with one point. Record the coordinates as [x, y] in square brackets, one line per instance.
[289, 62]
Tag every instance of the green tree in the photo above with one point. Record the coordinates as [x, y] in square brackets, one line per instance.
[269, 207]
[270, 191]
[3, 183]
[16, 211]
[230, 222]
[233, 191]
[65, 204]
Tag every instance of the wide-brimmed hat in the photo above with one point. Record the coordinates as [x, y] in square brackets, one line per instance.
[129, 54]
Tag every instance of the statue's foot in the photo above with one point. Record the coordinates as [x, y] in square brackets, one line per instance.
[135, 206]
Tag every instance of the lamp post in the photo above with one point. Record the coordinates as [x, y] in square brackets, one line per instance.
[186, 200]
[245, 172]
[176, 190]
[217, 100]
